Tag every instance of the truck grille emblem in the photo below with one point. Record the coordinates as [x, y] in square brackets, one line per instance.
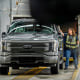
[27, 46]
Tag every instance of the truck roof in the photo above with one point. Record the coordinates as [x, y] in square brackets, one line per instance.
[24, 20]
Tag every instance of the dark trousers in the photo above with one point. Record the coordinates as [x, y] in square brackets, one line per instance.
[68, 54]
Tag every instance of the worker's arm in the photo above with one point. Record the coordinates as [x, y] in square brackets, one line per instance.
[78, 42]
[77, 39]
[61, 32]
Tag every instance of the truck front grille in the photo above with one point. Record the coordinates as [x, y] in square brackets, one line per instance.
[29, 47]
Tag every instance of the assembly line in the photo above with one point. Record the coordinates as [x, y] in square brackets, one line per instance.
[39, 40]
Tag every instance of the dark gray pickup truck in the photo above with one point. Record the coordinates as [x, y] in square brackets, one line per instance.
[29, 44]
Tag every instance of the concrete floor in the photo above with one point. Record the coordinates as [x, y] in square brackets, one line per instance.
[44, 74]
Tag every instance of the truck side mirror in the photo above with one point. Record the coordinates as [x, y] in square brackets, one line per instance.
[59, 35]
[3, 34]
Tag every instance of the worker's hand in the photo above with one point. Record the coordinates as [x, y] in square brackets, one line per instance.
[77, 45]
[78, 42]
[61, 32]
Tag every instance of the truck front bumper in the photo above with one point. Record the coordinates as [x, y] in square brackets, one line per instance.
[7, 59]
[50, 59]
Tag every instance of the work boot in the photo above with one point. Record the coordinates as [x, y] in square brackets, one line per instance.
[65, 68]
[76, 67]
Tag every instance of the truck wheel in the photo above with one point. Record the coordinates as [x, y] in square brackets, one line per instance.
[55, 70]
[4, 70]
[61, 66]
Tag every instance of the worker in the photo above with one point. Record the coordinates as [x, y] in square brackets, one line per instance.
[72, 42]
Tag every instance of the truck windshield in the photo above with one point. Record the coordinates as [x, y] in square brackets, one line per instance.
[30, 28]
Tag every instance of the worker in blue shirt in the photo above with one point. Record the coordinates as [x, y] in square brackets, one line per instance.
[72, 42]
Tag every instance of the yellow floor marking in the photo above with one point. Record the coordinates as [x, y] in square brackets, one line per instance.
[26, 75]
[31, 70]
[70, 59]
[9, 73]
[75, 74]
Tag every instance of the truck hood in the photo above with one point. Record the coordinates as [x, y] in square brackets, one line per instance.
[29, 37]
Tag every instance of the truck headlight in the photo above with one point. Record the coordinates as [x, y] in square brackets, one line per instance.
[8, 46]
[55, 46]
[0, 46]
[4, 48]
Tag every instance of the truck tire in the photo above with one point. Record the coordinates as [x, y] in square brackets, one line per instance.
[55, 70]
[61, 66]
[4, 70]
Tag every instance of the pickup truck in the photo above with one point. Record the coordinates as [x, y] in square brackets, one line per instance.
[29, 44]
